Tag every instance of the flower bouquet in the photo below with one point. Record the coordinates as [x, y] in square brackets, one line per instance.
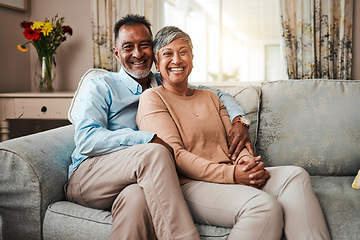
[46, 37]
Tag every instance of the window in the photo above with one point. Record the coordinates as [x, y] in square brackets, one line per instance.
[234, 40]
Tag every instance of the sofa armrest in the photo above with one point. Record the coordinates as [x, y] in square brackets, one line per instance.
[33, 171]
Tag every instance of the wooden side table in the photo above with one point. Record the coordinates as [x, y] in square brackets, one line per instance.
[32, 105]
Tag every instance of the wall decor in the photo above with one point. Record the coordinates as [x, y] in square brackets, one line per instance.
[19, 5]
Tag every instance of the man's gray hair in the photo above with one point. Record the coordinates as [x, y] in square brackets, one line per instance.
[168, 34]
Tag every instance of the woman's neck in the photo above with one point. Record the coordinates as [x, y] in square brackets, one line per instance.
[180, 89]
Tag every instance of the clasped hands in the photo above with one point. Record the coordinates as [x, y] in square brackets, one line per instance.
[251, 172]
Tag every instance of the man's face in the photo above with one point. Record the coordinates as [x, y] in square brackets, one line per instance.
[134, 50]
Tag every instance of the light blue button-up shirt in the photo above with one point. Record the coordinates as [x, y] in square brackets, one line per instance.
[105, 119]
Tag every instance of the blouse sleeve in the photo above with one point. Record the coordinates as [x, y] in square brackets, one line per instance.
[153, 115]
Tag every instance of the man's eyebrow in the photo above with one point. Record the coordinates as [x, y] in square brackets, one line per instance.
[125, 43]
[132, 43]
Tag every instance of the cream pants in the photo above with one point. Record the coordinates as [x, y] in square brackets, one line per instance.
[286, 201]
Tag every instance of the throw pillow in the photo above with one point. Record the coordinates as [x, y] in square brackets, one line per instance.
[356, 183]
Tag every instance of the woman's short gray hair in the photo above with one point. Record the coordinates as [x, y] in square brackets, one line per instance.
[168, 34]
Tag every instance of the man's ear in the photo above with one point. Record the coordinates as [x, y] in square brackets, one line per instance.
[116, 53]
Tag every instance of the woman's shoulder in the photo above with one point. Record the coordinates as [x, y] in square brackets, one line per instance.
[153, 90]
[150, 100]
[207, 93]
[152, 93]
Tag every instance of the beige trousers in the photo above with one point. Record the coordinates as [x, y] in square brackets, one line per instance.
[140, 186]
[287, 200]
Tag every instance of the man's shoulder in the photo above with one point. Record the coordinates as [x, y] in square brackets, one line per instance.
[102, 78]
[110, 80]
[109, 76]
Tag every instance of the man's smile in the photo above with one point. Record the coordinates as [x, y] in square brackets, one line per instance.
[136, 63]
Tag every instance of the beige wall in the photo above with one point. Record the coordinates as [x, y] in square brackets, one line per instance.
[14, 66]
[73, 57]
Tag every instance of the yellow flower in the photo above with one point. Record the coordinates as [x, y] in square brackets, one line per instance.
[47, 28]
[37, 25]
[22, 48]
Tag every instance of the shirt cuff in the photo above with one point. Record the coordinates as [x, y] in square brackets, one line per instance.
[144, 137]
[229, 174]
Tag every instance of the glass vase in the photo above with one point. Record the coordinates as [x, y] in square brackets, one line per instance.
[45, 74]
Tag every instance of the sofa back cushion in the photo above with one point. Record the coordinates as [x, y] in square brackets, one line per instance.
[248, 98]
[91, 73]
[311, 123]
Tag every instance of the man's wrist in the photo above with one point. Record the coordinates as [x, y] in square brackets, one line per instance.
[243, 120]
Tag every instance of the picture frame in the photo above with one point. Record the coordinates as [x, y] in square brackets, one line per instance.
[19, 5]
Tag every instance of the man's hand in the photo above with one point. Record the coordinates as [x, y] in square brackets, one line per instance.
[239, 138]
[158, 140]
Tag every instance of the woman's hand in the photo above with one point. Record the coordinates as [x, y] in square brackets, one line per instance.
[251, 173]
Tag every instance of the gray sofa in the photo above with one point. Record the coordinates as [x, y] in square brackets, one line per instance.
[311, 123]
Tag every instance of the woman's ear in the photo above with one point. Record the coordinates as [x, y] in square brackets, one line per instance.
[157, 65]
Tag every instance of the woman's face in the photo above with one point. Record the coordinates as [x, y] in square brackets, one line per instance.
[175, 62]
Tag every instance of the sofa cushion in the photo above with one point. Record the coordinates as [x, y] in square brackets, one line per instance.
[340, 205]
[0, 227]
[33, 171]
[65, 220]
[91, 73]
[311, 123]
[248, 98]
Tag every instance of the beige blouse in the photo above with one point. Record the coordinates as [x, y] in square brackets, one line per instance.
[195, 127]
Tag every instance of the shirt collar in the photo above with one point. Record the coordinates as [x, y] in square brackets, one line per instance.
[153, 82]
[133, 85]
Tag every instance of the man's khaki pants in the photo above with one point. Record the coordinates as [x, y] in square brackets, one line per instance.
[140, 186]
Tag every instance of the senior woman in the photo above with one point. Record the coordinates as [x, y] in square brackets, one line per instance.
[235, 194]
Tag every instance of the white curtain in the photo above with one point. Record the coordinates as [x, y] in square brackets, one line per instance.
[317, 38]
[104, 14]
